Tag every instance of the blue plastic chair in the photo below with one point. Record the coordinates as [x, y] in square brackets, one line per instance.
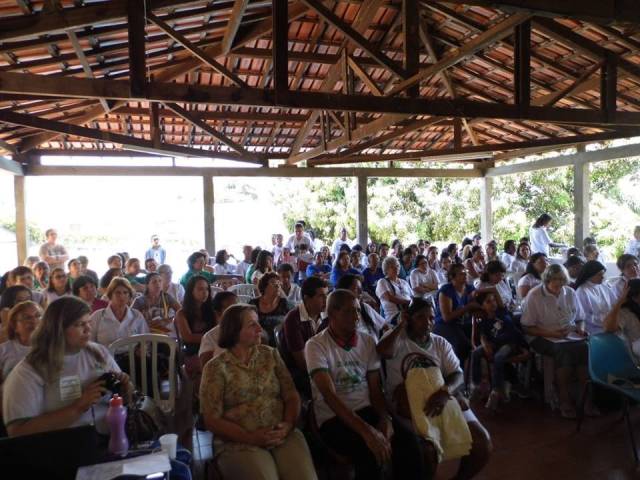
[610, 356]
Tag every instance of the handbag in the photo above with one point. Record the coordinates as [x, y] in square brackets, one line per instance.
[145, 420]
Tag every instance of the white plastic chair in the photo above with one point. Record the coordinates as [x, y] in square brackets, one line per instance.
[167, 403]
[243, 298]
[248, 289]
[216, 290]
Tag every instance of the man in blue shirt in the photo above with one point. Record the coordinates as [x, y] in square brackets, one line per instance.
[156, 251]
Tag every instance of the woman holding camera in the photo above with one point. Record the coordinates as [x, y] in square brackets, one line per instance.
[58, 384]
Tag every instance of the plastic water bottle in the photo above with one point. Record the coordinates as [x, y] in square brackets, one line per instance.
[116, 419]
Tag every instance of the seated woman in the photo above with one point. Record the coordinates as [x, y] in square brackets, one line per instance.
[533, 274]
[41, 276]
[624, 318]
[264, 265]
[192, 321]
[519, 264]
[196, 263]
[24, 276]
[491, 251]
[413, 335]
[250, 404]
[133, 273]
[22, 321]
[75, 270]
[370, 322]
[105, 280]
[629, 270]
[271, 306]
[209, 344]
[222, 265]
[574, 265]
[58, 286]
[594, 298]
[499, 341]
[406, 264]
[118, 319]
[445, 265]
[341, 267]
[432, 258]
[56, 386]
[319, 268]
[85, 288]
[475, 265]
[455, 303]
[393, 292]
[157, 307]
[549, 318]
[10, 298]
[423, 280]
[170, 288]
[356, 261]
[493, 278]
[372, 274]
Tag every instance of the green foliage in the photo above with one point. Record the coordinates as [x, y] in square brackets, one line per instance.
[34, 234]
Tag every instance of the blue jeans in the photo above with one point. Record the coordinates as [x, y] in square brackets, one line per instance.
[500, 358]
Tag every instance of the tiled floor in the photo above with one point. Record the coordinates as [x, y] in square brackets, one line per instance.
[532, 443]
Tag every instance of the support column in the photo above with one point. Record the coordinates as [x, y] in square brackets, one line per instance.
[209, 219]
[581, 197]
[486, 210]
[21, 218]
[362, 212]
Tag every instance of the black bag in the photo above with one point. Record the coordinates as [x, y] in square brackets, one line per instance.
[145, 420]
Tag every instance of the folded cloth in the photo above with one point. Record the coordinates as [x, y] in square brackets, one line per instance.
[448, 431]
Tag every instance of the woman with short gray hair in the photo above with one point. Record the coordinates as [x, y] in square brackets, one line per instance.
[394, 293]
[549, 319]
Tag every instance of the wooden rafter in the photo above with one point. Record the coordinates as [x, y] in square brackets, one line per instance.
[202, 125]
[130, 143]
[239, 7]
[196, 51]
[364, 76]
[353, 35]
[137, 61]
[492, 35]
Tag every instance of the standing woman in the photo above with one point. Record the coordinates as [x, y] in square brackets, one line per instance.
[58, 285]
[193, 320]
[62, 354]
[540, 240]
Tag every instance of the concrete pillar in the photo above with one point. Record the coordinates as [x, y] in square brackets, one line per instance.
[362, 212]
[486, 210]
[581, 197]
[21, 218]
[209, 219]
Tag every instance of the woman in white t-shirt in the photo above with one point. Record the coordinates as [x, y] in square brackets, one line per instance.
[538, 236]
[222, 265]
[519, 264]
[59, 285]
[493, 277]
[118, 320]
[209, 347]
[22, 321]
[533, 274]
[394, 293]
[57, 385]
[423, 279]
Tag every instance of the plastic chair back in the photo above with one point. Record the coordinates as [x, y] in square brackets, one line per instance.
[248, 289]
[609, 354]
[244, 298]
[137, 347]
[215, 290]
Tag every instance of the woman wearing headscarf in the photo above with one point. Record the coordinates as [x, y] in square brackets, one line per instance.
[594, 298]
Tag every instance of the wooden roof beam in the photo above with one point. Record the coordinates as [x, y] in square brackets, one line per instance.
[353, 35]
[130, 143]
[490, 36]
[235, 19]
[202, 125]
[598, 11]
[196, 51]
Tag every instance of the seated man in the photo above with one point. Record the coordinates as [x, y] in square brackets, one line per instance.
[349, 406]
[300, 324]
[417, 458]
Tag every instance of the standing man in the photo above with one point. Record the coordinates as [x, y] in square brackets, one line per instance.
[157, 252]
[298, 238]
[51, 252]
[338, 242]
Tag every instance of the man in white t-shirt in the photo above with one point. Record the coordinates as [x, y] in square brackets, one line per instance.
[298, 238]
[348, 402]
[413, 335]
[243, 266]
[338, 242]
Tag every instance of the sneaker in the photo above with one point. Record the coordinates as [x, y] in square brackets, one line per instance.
[494, 401]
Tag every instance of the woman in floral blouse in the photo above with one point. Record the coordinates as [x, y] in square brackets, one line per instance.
[249, 402]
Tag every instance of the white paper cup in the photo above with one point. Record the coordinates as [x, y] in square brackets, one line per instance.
[169, 444]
